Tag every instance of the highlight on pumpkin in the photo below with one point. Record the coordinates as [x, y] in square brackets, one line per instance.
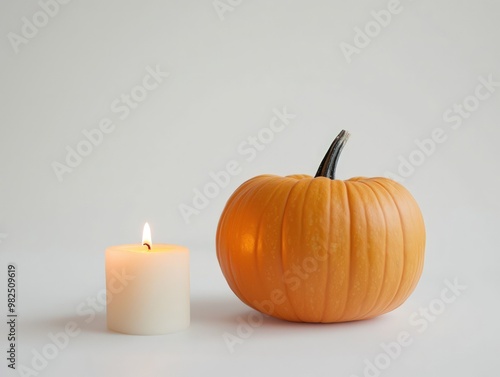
[319, 249]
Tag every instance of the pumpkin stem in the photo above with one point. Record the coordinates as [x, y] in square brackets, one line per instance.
[329, 163]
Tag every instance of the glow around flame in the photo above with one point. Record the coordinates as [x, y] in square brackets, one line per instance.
[146, 236]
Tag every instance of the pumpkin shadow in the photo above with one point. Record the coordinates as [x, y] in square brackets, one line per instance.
[225, 311]
[221, 310]
[277, 323]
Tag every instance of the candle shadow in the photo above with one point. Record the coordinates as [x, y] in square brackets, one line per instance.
[97, 325]
[221, 311]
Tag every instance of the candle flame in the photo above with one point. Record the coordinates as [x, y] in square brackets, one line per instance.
[146, 236]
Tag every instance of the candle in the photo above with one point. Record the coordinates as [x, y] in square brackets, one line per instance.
[147, 287]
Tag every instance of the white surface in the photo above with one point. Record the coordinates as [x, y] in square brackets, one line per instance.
[461, 341]
[226, 77]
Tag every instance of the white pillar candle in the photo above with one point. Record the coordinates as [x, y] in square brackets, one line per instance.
[147, 287]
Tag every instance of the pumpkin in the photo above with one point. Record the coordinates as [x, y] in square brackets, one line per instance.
[319, 249]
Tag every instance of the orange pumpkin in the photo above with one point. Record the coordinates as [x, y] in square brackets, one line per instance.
[318, 249]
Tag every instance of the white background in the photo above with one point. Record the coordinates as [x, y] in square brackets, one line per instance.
[226, 77]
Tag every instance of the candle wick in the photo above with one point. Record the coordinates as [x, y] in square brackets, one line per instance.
[148, 245]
